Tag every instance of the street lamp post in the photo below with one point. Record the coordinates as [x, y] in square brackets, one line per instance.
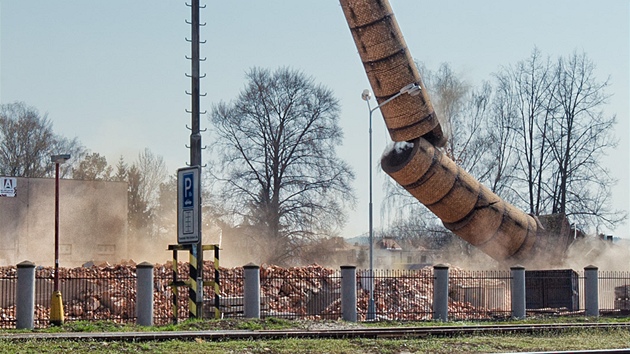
[413, 90]
[56, 303]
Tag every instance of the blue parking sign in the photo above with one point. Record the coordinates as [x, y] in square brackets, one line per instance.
[188, 206]
[188, 190]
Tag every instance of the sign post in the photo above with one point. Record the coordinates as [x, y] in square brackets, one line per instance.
[188, 218]
[189, 233]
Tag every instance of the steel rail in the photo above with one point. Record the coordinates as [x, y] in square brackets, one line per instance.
[380, 332]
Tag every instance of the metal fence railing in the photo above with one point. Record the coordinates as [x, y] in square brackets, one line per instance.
[313, 292]
[164, 294]
[400, 295]
[231, 301]
[481, 295]
[105, 293]
[614, 292]
[8, 284]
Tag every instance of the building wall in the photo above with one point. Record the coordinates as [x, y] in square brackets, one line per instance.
[92, 222]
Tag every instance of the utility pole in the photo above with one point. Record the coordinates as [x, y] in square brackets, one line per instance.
[196, 292]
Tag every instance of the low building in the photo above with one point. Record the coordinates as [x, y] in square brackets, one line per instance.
[92, 222]
[391, 254]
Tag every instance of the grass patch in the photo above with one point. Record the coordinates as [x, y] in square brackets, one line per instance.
[227, 324]
[573, 340]
[94, 326]
[267, 323]
[273, 323]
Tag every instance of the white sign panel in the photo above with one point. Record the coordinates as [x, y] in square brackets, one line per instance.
[8, 186]
[188, 205]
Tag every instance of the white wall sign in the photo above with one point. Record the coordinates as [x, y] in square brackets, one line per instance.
[8, 186]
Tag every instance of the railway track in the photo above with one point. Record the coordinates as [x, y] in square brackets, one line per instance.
[380, 332]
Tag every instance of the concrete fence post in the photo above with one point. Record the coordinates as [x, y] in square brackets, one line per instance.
[251, 289]
[440, 292]
[518, 292]
[25, 306]
[349, 293]
[144, 300]
[591, 291]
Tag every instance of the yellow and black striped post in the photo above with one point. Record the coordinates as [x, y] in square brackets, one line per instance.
[176, 282]
[194, 305]
[174, 287]
[194, 283]
[217, 283]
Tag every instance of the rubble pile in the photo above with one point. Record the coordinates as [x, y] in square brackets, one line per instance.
[163, 292]
[299, 291]
[479, 295]
[409, 296]
[7, 314]
[104, 292]
[107, 292]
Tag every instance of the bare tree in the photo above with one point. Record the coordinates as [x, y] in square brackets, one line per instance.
[555, 112]
[579, 136]
[502, 161]
[536, 139]
[277, 168]
[27, 141]
[528, 87]
[462, 111]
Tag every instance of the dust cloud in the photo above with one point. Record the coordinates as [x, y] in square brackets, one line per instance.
[605, 255]
[586, 251]
[93, 228]
[92, 222]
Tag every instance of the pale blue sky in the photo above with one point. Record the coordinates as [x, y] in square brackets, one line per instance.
[112, 72]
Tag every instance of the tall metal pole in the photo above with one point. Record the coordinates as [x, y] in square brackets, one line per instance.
[56, 278]
[195, 136]
[56, 302]
[412, 89]
[195, 144]
[371, 314]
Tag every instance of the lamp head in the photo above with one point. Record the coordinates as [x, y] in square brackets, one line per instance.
[60, 158]
[366, 95]
[412, 89]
